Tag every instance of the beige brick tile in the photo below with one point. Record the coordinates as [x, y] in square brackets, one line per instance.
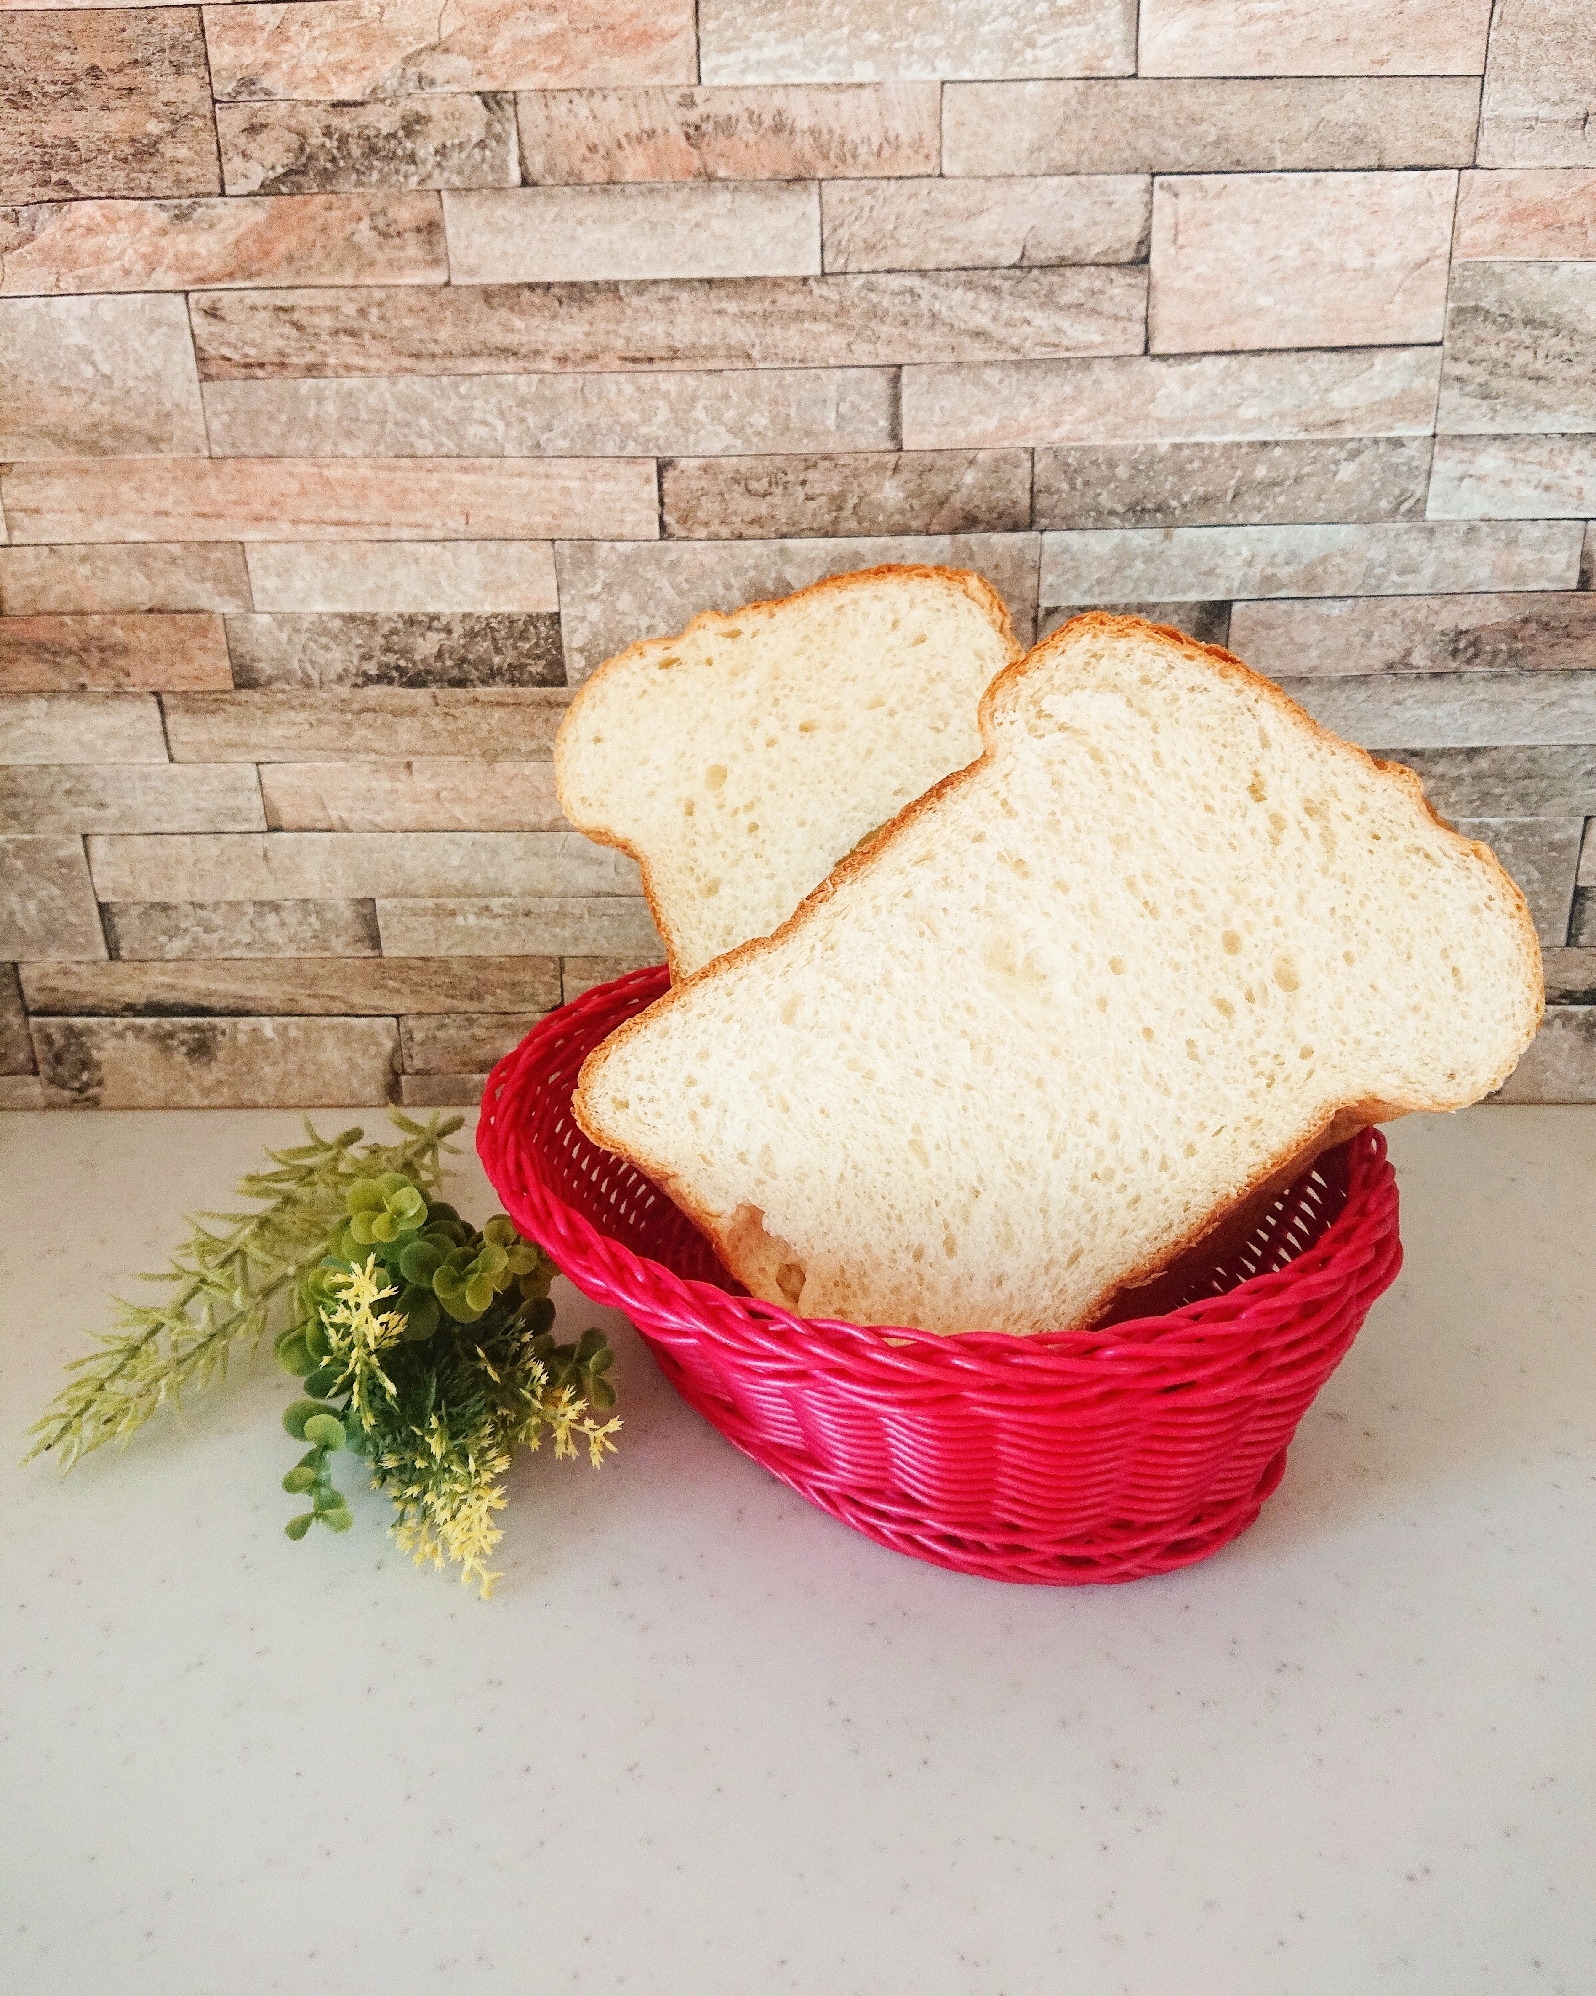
[1312, 37]
[1514, 478]
[413, 141]
[543, 235]
[488, 724]
[582, 973]
[1417, 558]
[1519, 354]
[1560, 1065]
[16, 1048]
[1570, 976]
[172, 931]
[1208, 623]
[24, 1091]
[177, 245]
[609, 925]
[459, 987]
[821, 41]
[1203, 397]
[1148, 124]
[1587, 559]
[1299, 260]
[462, 1043]
[915, 492]
[110, 653]
[352, 499]
[95, 377]
[1541, 854]
[293, 866]
[98, 577]
[1587, 863]
[1427, 710]
[217, 1063]
[416, 648]
[1504, 782]
[563, 415]
[779, 132]
[957, 224]
[423, 794]
[108, 101]
[80, 727]
[1211, 484]
[1535, 631]
[131, 797]
[612, 595]
[1537, 109]
[441, 1091]
[869, 319]
[348, 49]
[1514, 216]
[401, 575]
[47, 905]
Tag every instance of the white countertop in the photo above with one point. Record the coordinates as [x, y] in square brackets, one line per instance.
[706, 1740]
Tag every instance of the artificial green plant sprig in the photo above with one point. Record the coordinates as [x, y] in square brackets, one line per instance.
[438, 1417]
[237, 1273]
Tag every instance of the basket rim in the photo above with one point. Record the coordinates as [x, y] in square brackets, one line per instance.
[1202, 1328]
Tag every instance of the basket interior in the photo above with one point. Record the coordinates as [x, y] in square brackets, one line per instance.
[627, 1208]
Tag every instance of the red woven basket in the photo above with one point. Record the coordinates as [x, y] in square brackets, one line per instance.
[1061, 1458]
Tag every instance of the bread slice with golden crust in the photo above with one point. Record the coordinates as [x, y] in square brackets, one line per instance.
[1166, 940]
[741, 759]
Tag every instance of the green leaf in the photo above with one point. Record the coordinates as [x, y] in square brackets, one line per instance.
[299, 1479]
[340, 1520]
[292, 1353]
[325, 1430]
[297, 1416]
[322, 1381]
[296, 1528]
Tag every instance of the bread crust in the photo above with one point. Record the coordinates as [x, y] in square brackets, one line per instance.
[976, 587]
[1334, 1127]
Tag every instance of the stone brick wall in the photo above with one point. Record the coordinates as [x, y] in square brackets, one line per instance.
[367, 375]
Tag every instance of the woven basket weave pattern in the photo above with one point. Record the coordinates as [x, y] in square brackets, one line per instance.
[1069, 1456]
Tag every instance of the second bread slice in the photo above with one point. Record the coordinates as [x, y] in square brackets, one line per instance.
[741, 759]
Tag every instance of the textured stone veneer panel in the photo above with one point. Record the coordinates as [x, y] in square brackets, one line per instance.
[130, 797]
[172, 931]
[912, 492]
[781, 132]
[1299, 260]
[47, 906]
[209, 1063]
[205, 575]
[1210, 484]
[1191, 398]
[1514, 478]
[1195, 125]
[1540, 86]
[80, 727]
[416, 648]
[109, 101]
[957, 224]
[97, 377]
[272, 499]
[880, 319]
[346, 49]
[1312, 37]
[1533, 631]
[1526, 215]
[800, 41]
[456, 986]
[607, 926]
[421, 794]
[515, 724]
[559, 415]
[403, 575]
[1519, 349]
[112, 653]
[412, 142]
[183, 245]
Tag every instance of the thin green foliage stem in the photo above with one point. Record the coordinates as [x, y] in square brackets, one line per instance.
[238, 1274]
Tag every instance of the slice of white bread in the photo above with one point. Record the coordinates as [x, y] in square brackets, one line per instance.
[740, 760]
[1163, 943]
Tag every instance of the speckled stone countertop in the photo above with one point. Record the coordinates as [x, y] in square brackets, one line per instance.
[707, 1741]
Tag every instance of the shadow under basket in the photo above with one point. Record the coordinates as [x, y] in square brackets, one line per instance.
[1055, 1459]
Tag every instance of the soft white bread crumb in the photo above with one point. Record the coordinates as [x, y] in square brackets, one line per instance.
[740, 760]
[1166, 938]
